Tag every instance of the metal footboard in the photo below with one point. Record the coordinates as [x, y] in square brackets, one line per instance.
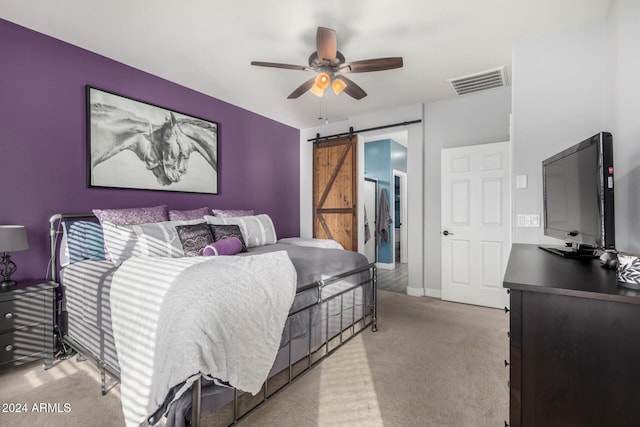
[316, 352]
[313, 357]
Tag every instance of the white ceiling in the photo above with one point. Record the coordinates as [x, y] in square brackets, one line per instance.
[208, 45]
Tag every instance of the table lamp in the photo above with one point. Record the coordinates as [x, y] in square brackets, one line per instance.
[12, 238]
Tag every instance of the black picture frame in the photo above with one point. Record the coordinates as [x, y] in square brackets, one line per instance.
[134, 144]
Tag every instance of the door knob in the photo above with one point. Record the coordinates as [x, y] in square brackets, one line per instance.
[446, 233]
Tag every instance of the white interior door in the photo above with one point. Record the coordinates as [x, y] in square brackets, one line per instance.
[476, 223]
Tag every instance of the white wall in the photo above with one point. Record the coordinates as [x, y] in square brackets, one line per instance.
[622, 84]
[478, 118]
[558, 100]
[569, 86]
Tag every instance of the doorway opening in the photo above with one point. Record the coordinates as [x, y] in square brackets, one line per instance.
[385, 164]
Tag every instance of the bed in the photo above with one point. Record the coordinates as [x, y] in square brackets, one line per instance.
[335, 299]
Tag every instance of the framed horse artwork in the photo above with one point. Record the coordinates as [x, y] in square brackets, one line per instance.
[138, 145]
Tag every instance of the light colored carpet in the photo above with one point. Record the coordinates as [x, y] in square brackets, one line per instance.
[431, 363]
[66, 395]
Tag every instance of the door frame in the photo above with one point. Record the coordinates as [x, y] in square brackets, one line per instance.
[404, 235]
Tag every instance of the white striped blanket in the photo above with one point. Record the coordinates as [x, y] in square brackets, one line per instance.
[175, 319]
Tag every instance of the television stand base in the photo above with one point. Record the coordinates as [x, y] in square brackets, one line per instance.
[570, 252]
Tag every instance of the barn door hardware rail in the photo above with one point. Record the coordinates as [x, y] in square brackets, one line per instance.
[318, 139]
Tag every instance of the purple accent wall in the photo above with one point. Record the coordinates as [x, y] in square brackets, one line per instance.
[43, 143]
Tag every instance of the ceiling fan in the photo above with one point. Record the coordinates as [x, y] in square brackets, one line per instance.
[330, 65]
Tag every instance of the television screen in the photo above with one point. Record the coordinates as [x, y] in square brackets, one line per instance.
[578, 194]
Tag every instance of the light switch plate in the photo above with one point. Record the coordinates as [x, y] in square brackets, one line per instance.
[521, 181]
[532, 220]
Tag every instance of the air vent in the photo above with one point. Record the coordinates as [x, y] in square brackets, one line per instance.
[479, 81]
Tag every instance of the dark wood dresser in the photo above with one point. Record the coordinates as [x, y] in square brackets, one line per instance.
[574, 343]
[27, 323]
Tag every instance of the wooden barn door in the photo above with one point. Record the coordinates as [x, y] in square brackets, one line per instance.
[335, 195]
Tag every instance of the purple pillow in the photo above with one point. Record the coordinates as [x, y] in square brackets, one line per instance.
[231, 213]
[188, 214]
[131, 216]
[228, 246]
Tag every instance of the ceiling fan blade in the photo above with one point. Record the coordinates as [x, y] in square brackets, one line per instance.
[352, 89]
[326, 44]
[367, 65]
[285, 66]
[302, 88]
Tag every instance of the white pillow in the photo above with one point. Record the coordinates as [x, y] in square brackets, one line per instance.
[312, 242]
[257, 230]
[156, 239]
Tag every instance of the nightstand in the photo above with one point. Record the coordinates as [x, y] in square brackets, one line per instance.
[27, 323]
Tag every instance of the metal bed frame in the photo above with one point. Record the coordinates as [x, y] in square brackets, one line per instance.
[354, 327]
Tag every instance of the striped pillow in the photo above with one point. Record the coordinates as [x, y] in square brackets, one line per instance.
[257, 230]
[130, 216]
[81, 240]
[157, 239]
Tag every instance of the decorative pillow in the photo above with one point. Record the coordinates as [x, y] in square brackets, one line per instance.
[228, 246]
[189, 214]
[231, 213]
[221, 232]
[120, 241]
[82, 240]
[131, 216]
[194, 238]
[161, 239]
[152, 240]
[309, 241]
[257, 230]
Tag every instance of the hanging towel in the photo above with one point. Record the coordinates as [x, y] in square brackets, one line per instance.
[384, 218]
[367, 230]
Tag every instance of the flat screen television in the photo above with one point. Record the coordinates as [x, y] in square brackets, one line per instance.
[578, 197]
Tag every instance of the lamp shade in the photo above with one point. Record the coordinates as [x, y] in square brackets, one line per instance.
[323, 80]
[317, 91]
[338, 85]
[13, 238]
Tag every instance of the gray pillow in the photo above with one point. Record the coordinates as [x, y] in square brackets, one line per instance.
[194, 238]
[159, 239]
[257, 230]
[225, 231]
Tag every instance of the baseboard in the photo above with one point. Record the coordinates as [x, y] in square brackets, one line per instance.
[433, 293]
[423, 292]
[415, 292]
[386, 265]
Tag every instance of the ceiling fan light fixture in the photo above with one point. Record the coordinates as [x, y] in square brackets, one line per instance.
[317, 90]
[323, 80]
[338, 86]
[330, 65]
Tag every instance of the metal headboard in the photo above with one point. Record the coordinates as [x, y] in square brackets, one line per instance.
[55, 230]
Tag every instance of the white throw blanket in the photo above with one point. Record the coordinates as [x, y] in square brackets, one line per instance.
[175, 319]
